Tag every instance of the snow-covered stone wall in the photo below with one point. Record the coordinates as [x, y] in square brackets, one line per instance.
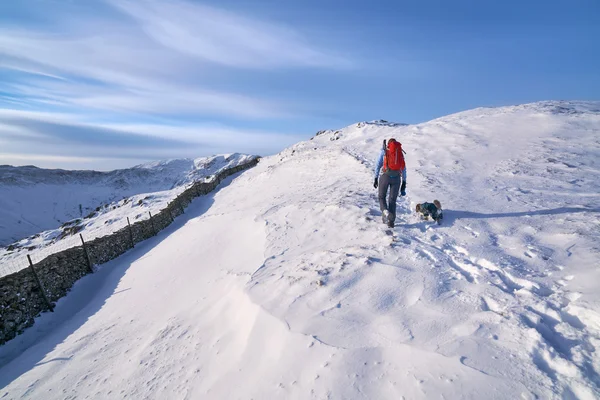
[21, 299]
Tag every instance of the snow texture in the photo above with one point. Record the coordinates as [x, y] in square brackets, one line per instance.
[285, 284]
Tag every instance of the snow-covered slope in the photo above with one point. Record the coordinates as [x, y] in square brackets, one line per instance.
[33, 200]
[285, 284]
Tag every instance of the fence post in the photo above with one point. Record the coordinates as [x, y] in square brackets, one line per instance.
[152, 222]
[37, 279]
[87, 255]
[130, 233]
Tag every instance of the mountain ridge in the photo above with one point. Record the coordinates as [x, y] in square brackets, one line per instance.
[35, 199]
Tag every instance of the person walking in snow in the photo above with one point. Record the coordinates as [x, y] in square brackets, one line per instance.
[393, 178]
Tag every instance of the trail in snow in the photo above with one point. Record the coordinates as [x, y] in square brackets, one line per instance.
[285, 283]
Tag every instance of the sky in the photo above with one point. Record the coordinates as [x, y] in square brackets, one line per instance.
[106, 84]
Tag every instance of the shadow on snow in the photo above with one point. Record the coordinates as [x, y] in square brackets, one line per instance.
[451, 216]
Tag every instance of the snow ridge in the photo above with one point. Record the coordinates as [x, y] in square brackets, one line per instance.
[497, 287]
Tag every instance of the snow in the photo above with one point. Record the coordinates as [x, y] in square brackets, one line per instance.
[285, 283]
[45, 203]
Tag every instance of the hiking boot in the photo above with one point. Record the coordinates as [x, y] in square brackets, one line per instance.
[385, 216]
[390, 224]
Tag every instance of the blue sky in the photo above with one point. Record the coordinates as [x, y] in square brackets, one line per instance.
[107, 84]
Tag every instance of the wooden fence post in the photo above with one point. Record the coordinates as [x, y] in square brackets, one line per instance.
[87, 255]
[37, 279]
[152, 222]
[130, 233]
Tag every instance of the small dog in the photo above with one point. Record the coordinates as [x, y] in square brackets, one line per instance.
[430, 209]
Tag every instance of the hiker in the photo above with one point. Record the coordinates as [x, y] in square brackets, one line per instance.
[430, 209]
[393, 178]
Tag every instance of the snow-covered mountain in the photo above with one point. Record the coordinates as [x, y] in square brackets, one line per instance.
[39, 206]
[285, 284]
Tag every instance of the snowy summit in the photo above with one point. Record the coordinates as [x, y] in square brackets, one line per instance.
[285, 284]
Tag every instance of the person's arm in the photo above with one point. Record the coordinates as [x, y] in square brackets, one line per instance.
[379, 164]
[403, 186]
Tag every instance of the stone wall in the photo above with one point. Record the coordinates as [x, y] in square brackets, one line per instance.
[21, 299]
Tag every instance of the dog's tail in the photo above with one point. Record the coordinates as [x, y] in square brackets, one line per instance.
[437, 204]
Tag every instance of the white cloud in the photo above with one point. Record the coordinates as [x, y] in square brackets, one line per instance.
[98, 68]
[15, 158]
[127, 79]
[28, 137]
[158, 99]
[224, 37]
[153, 56]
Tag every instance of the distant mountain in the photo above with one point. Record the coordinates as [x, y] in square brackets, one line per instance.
[33, 199]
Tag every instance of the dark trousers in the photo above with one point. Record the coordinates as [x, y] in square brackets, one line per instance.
[393, 184]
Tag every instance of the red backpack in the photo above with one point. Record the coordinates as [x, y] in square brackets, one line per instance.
[394, 157]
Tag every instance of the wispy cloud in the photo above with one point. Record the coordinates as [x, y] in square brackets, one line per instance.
[224, 37]
[59, 136]
[156, 99]
[133, 61]
[9, 158]
[120, 74]
[156, 58]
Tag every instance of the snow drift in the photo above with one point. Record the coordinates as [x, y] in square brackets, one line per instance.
[285, 284]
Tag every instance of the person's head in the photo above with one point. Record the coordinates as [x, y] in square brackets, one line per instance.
[392, 140]
[418, 208]
[437, 204]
